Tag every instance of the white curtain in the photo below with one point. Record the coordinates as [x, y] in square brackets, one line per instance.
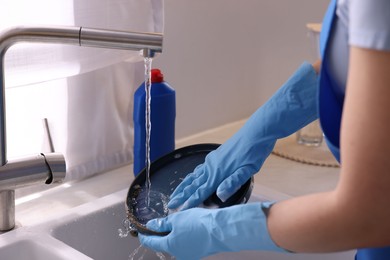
[85, 93]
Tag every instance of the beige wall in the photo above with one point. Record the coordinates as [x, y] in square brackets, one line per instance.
[226, 57]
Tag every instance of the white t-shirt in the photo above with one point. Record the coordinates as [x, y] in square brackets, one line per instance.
[361, 23]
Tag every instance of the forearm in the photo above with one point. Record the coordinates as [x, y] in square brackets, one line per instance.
[306, 224]
[317, 66]
[328, 222]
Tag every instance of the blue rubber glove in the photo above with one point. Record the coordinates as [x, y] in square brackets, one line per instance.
[199, 232]
[293, 106]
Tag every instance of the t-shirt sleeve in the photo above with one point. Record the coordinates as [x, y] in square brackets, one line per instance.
[369, 24]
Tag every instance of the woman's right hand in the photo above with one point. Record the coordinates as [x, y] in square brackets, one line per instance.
[225, 170]
[293, 106]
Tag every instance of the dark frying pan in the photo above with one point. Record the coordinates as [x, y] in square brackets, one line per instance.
[166, 173]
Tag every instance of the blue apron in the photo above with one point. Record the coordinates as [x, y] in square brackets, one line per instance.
[330, 111]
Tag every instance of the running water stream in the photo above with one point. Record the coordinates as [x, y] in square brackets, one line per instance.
[148, 124]
[143, 201]
[150, 204]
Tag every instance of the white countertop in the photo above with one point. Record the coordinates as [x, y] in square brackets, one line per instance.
[278, 175]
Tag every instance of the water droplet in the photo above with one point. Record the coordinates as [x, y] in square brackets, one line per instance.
[126, 229]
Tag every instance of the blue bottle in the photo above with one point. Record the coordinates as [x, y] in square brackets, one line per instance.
[163, 113]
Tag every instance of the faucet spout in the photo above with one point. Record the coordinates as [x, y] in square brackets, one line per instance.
[148, 43]
[51, 168]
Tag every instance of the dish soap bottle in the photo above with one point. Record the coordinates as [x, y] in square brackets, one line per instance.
[163, 114]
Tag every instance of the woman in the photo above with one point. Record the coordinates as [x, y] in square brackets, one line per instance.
[353, 107]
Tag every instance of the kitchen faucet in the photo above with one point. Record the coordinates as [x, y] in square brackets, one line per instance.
[51, 168]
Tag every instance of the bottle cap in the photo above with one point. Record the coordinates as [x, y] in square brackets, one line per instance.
[157, 76]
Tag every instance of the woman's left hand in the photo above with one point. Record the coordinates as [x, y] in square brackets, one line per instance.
[198, 232]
